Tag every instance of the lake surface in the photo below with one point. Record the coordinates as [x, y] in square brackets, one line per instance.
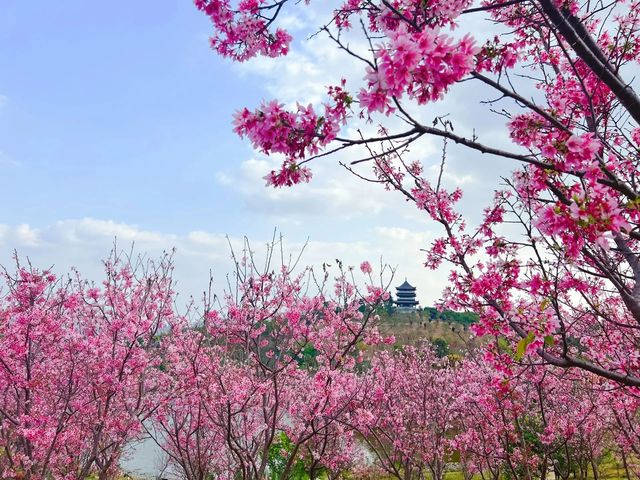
[145, 460]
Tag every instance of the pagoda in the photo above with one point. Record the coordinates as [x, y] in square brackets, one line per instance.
[406, 296]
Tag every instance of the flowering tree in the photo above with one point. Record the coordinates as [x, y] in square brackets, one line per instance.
[536, 420]
[41, 379]
[624, 412]
[407, 414]
[273, 384]
[77, 367]
[569, 291]
[263, 386]
[120, 324]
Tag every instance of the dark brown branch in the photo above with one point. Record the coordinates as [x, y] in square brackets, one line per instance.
[493, 6]
[563, 25]
[520, 99]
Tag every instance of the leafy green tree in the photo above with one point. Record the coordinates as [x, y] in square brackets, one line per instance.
[441, 347]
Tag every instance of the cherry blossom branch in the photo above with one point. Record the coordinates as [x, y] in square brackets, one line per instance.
[624, 92]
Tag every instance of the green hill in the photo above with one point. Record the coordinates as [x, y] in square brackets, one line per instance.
[447, 330]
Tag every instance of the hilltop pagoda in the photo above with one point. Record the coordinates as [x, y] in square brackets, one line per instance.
[406, 296]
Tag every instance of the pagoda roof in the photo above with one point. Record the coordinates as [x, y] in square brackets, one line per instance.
[406, 286]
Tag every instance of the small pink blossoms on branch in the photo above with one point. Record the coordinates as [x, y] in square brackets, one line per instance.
[244, 33]
[296, 134]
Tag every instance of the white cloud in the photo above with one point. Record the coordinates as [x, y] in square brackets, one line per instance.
[403, 234]
[27, 235]
[305, 73]
[81, 243]
[333, 193]
[4, 100]
[303, 76]
[20, 235]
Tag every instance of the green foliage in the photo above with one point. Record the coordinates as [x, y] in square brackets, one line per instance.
[441, 347]
[388, 307]
[307, 356]
[521, 349]
[279, 454]
[363, 366]
[463, 318]
[504, 346]
[386, 310]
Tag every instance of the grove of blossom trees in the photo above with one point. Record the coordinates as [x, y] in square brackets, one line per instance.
[289, 374]
[273, 362]
[286, 377]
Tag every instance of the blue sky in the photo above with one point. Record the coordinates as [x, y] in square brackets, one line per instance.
[115, 121]
[115, 108]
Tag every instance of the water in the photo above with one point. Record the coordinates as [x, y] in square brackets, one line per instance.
[145, 460]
